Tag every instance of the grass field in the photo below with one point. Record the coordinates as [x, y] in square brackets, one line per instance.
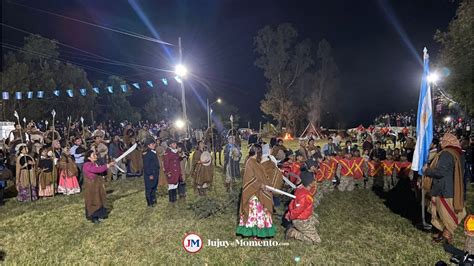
[356, 228]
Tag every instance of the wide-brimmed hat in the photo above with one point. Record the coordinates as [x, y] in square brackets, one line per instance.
[148, 141]
[205, 158]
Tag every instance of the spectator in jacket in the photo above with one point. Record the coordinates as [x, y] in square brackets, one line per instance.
[329, 148]
[151, 171]
[367, 145]
[173, 173]
[378, 152]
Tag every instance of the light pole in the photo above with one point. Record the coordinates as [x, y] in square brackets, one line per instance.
[181, 71]
[209, 110]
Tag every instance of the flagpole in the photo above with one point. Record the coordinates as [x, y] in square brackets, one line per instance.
[424, 134]
[53, 113]
[29, 173]
[26, 156]
[68, 129]
[425, 225]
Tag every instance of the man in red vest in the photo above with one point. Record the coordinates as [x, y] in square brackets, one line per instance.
[389, 172]
[295, 167]
[403, 168]
[311, 166]
[333, 163]
[300, 213]
[359, 166]
[345, 173]
[374, 171]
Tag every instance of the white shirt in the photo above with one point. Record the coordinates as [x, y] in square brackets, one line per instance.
[78, 158]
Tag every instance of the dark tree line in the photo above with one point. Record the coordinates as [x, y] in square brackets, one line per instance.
[457, 55]
[37, 65]
[302, 78]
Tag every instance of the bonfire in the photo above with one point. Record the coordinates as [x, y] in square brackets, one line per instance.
[287, 136]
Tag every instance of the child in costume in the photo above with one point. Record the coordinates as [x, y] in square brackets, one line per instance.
[300, 213]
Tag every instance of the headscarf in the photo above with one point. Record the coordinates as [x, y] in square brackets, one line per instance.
[449, 140]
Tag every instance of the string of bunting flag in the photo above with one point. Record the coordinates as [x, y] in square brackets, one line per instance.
[40, 94]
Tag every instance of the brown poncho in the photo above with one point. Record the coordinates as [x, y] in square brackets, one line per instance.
[253, 179]
[136, 161]
[160, 152]
[67, 164]
[273, 174]
[458, 199]
[25, 173]
[94, 190]
[201, 173]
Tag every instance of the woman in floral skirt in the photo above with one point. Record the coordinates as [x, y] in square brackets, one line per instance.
[256, 204]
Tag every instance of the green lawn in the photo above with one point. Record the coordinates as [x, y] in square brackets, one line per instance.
[355, 227]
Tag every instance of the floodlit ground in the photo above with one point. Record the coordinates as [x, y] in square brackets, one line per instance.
[355, 227]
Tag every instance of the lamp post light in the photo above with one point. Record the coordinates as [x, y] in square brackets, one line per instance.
[209, 110]
[433, 78]
[181, 72]
[180, 124]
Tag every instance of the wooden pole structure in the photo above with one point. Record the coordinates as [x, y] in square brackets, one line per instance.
[53, 113]
[26, 159]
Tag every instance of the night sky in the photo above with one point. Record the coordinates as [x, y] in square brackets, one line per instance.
[377, 44]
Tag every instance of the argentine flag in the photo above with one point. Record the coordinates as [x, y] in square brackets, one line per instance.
[424, 122]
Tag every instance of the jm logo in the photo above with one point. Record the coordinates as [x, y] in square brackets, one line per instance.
[192, 243]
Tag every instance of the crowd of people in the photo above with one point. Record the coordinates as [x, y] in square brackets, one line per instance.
[73, 158]
[396, 120]
[77, 159]
[312, 171]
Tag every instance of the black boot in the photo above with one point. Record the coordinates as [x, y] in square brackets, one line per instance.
[170, 195]
[182, 190]
[1, 196]
[175, 195]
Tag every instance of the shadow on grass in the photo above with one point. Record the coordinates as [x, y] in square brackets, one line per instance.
[111, 199]
[10, 192]
[3, 254]
[403, 201]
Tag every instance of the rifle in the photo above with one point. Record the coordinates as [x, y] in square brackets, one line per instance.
[459, 257]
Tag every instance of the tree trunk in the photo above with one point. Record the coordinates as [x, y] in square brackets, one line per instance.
[279, 124]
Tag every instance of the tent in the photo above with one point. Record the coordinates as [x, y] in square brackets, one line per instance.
[6, 128]
[311, 129]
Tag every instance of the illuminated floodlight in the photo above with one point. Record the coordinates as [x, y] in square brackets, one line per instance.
[179, 124]
[181, 70]
[433, 78]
